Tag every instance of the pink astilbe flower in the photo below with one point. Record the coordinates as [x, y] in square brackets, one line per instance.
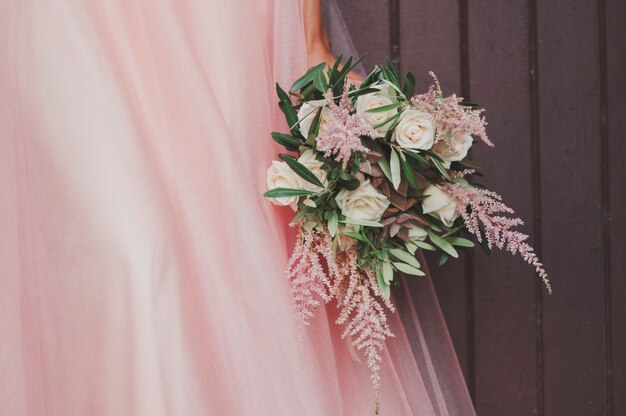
[454, 121]
[361, 305]
[341, 135]
[359, 299]
[481, 209]
[306, 272]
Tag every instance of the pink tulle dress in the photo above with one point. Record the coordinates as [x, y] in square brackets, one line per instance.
[141, 270]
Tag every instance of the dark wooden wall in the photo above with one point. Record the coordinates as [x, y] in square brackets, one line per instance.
[552, 76]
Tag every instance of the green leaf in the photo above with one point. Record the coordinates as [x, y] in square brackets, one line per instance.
[421, 159]
[308, 77]
[384, 108]
[405, 268]
[460, 242]
[289, 142]
[355, 235]
[384, 166]
[469, 164]
[405, 257]
[333, 72]
[372, 77]
[408, 173]
[301, 170]
[441, 168]
[362, 222]
[333, 221]
[319, 80]
[346, 70]
[424, 245]
[384, 287]
[389, 120]
[443, 244]
[443, 258]
[290, 113]
[409, 85]
[395, 169]
[350, 185]
[387, 272]
[301, 214]
[362, 91]
[410, 247]
[286, 192]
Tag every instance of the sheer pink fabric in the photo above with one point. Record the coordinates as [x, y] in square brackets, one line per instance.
[141, 271]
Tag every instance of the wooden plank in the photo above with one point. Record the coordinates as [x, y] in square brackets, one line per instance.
[369, 28]
[616, 128]
[569, 76]
[430, 40]
[504, 286]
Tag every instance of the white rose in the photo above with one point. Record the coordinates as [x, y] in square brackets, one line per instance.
[280, 175]
[439, 204]
[307, 113]
[364, 203]
[374, 100]
[455, 151]
[307, 158]
[417, 233]
[416, 130]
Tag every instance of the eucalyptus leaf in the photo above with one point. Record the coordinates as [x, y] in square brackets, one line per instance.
[424, 245]
[289, 142]
[387, 272]
[443, 244]
[384, 286]
[355, 235]
[411, 248]
[362, 222]
[384, 108]
[395, 169]
[443, 258]
[286, 192]
[405, 268]
[440, 168]
[307, 77]
[460, 242]
[333, 221]
[408, 173]
[405, 257]
[301, 170]
[319, 80]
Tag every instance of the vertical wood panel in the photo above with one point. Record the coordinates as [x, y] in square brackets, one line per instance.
[616, 131]
[504, 286]
[569, 79]
[369, 28]
[430, 40]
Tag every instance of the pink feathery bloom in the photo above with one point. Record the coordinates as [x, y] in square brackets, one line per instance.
[341, 135]
[484, 207]
[454, 120]
[359, 298]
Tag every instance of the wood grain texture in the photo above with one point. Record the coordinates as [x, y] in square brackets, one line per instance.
[574, 337]
[616, 128]
[369, 28]
[552, 76]
[504, 287]
[430, 40]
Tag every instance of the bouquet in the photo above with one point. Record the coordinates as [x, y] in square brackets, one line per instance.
[375, 172]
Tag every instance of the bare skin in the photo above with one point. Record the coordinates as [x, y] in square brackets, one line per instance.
[318, 46]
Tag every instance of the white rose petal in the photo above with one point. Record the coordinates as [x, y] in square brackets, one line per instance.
[416, 130]
[307, 158]
[364, 203]
[458, 151]
[440, 205]
[280, 175]
[307, 113]
[375, 100]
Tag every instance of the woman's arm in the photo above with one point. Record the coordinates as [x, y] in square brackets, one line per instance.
[317, 44]
[318, 47]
